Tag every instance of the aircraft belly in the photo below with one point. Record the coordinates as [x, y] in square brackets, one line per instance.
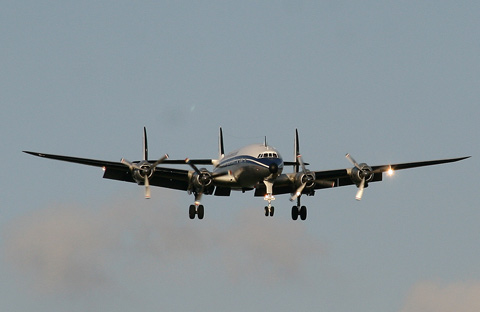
[241, 176]
[249, 176]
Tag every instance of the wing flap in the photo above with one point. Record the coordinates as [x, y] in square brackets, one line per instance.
[170, 178]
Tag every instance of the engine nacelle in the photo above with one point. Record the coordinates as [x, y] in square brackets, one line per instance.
[139, 174]
[202, 180]
[308, 178]
[365, 172]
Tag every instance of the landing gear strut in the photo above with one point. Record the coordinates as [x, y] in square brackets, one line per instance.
[269, 210]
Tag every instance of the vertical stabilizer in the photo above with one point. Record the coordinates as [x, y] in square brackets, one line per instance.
[145, 146]
[221, 149]
[296, 148]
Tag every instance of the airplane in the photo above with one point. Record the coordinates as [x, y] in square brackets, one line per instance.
[256, 167]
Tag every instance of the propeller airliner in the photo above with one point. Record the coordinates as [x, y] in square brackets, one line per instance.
[257, 167]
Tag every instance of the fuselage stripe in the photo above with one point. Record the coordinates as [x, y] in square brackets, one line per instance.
[247, 158]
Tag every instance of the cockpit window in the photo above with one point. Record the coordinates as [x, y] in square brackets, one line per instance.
[268, 155]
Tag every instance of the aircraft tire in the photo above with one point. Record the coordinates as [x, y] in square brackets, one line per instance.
[266, 211]
[200, 212]
[272, 211]
[191, 212]
[294, 213]
[303, 213]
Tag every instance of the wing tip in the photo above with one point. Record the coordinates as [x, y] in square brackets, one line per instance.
[34, 153]
[461, 158]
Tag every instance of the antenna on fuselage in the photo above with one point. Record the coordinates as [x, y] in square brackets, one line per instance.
[221, 149]
[265, 141]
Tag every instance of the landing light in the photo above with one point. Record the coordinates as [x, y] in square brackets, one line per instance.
[390, 171]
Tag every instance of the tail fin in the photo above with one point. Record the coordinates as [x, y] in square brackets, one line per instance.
[221, 149]
[145, 146]
[296, 148]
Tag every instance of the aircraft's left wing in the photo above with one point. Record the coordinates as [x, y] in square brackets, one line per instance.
[163, 177]
[342, 177]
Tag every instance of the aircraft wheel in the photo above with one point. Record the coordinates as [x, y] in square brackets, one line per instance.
[266, 211]
[294, 213]
[272, 211]
[191, 212]
[303, 213]
[200, 212]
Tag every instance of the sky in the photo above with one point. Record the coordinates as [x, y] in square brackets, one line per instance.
[385, 81]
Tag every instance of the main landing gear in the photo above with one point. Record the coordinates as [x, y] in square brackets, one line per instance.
[296, 212]
[196, 210]
[299, 212]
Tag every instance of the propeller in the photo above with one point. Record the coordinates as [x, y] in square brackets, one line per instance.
[306, 178]
[143, 171]
[203, 179]
[364, 172]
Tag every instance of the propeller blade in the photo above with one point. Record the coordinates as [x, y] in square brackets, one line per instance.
[147, 188]
[152, 166]
[187, 161]
[360, 190]
[298, 192]
[350, 158]
[129, 164]
[302, 164]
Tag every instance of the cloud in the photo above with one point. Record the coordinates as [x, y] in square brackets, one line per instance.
[58, 247]
[438, 297]
[71, 248]
[273, 249]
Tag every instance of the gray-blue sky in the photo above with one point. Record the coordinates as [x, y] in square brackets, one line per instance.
[385, 81]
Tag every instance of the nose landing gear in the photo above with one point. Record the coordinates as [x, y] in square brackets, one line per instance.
[269, 211]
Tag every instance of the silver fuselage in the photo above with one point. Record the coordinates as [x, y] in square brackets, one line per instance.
[247, 166]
